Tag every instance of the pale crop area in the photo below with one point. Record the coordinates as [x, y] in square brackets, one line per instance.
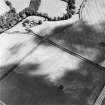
[53, 7]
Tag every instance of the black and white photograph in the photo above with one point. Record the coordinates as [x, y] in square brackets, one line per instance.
[52, 52]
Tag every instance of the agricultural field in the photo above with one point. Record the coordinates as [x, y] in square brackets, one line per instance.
[65, 68]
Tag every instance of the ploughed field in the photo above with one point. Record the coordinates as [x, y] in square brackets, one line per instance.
[44, 74]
